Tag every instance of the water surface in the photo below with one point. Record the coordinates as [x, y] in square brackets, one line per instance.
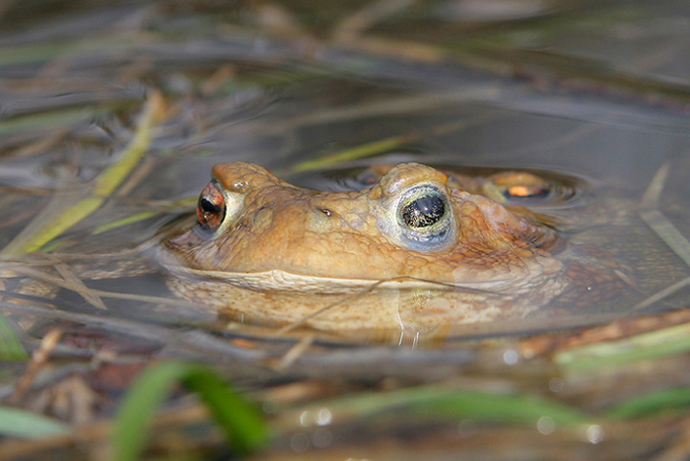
[587, 93]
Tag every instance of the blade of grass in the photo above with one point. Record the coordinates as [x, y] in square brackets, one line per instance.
[23, 424]
[241, 423]
[650, 212]
[503, 408]
[381, 146]
[450, 402]
[10, 347]
[355, 153]
[104, 186]
[141, 216]
[10, 56]
[645, 346]
[72, 48]
[55, 119]
[125, 221]
[648, 405]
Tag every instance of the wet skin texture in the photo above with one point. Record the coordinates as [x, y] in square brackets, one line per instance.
[417, 251]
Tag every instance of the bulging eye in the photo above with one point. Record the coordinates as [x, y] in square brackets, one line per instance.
[526, 191]
[210, 210]
[423, 212]
[519, 188]
[424, 215]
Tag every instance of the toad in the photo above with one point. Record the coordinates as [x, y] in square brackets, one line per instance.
[417, 251]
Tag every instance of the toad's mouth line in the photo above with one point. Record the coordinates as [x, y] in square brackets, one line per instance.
[277, 280]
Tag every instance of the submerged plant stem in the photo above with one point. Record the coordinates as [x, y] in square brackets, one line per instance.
[383, 145]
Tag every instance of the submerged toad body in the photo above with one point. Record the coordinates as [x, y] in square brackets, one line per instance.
[415, 251]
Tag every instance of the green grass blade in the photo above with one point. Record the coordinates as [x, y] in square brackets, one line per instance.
[381, 146]
[646, 346]
[135, 218]
[57, 119]
[450, 402]
[105, 185]
[363, 151]
[504, 408]
[649, 405]
[10, 347]
[116, 173]
[68, 218]
[141, 216]
[10, 56]
[23, 424]
[139, 406]
[242, 424]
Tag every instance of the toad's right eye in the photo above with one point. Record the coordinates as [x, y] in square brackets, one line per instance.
[210, 210]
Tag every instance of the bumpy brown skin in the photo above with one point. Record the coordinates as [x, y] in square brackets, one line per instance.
[285, 254]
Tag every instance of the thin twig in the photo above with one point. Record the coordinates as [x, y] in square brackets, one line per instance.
[38, 360]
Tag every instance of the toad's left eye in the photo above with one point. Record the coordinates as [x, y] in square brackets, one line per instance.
[526, 191]
[424, 215]
[519, 188]
[424, 211]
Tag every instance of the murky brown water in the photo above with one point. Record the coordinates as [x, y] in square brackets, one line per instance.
[593, 96]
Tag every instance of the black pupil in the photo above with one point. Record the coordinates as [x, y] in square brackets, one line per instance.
[424, 211]
[208, 207]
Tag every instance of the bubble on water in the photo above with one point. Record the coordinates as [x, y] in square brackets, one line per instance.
[595, 434]
[299, 443]
[510, 357]
[546, 425]
[556, 385]
[323, 417]
[270, 407]
[304, 419]
[467, 428]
